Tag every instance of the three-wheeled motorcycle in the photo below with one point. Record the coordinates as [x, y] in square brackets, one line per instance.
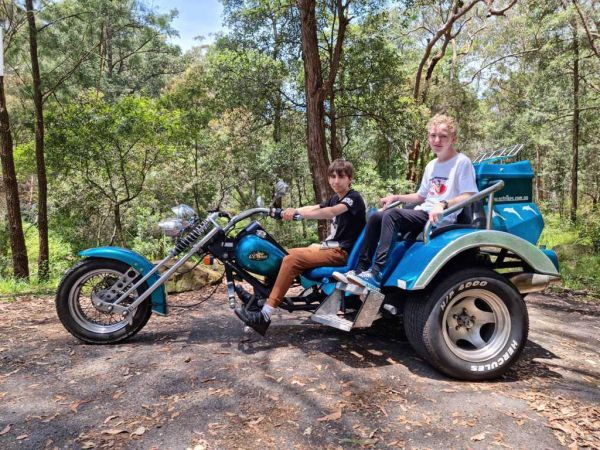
[457, 290]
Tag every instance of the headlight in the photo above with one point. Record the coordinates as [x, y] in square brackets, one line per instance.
[184, 213]
[171, 227]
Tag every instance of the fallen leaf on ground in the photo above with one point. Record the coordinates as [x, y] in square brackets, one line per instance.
[139, 431]
[113, 432]
[109, 418]
[20, 438]
[478, 437]
[87, 445]
[336, 415]
[75, 405]
[256, 421]
[5, 430]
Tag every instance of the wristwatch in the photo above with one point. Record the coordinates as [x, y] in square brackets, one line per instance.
[444, 204]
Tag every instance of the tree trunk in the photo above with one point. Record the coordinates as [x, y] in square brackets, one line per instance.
[17, 239]
[119, 236]
[44, 256]
[334, 146]
[315, 111]
[575, 130]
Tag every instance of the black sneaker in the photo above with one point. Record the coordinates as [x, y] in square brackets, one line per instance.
[255, 320]
[243, 294]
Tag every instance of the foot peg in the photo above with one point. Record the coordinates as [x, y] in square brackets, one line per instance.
[327, 313]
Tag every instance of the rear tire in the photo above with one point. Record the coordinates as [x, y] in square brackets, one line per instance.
[82, 319]
[473, 325]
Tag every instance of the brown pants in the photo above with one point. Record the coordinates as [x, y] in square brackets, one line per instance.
[299, 260]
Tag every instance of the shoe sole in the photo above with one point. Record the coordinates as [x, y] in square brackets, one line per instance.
[340, 277]
[355, 279]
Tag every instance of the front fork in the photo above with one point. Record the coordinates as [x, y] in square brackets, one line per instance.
[106, 300]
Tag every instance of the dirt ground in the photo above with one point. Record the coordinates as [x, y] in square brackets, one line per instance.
[195, 380]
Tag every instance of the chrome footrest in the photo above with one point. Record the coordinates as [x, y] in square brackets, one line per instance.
[333, 320]
[327, 313]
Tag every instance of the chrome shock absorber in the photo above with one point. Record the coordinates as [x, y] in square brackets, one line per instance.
[190, 238]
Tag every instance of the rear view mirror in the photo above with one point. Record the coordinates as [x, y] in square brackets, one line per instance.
[281, 189]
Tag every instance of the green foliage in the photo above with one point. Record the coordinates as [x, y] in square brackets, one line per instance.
[62, 257]
[133, 128]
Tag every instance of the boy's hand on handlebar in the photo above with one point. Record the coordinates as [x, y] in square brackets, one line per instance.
[288, 213]
[387, 200]
[435, 215]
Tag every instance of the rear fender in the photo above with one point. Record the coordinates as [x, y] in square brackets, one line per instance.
[139, 263]
[422, 262]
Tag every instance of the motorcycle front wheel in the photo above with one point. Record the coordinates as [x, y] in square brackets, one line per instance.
[82, 318]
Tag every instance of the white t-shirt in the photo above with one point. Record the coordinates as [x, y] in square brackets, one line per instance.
[446, 180]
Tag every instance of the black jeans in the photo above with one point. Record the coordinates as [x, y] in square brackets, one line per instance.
[382, 227]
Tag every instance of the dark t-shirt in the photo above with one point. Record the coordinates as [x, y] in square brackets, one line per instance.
[346, 227]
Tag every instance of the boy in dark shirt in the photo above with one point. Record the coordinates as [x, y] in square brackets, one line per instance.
[347, 209]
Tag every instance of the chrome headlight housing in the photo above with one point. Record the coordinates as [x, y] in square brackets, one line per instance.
[185, 216]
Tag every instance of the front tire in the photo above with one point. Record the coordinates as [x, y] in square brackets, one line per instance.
[473, 325]
[82, 319]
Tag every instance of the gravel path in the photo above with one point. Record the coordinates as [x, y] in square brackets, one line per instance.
[194, 380]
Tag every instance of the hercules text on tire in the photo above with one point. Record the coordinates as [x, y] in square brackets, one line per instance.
[88, 322]
[472, 325]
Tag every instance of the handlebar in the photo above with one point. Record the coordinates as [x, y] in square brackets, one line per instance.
[277, 213]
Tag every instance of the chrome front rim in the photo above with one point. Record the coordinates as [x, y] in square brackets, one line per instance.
[476, 325]
[83, 311]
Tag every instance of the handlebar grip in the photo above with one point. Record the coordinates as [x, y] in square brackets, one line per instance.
[275, 213]
[392, 205]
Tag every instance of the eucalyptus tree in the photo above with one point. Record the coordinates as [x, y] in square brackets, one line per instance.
[14, 20]
[435, 26]
[540, 77]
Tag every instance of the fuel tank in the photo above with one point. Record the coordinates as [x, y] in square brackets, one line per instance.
[257, 252]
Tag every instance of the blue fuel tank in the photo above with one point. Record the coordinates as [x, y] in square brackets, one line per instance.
[258, 255]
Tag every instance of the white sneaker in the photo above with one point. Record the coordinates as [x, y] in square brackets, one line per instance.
[339, 276]
[343, 277]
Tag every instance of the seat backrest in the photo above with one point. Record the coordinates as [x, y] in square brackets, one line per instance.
[355, 252]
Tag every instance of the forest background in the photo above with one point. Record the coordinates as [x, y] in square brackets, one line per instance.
[105, 125]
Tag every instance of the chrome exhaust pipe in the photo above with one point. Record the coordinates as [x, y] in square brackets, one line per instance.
[532, 282]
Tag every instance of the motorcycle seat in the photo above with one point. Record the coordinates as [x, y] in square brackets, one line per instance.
[319, 273]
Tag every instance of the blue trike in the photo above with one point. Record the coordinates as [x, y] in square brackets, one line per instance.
[456, 290]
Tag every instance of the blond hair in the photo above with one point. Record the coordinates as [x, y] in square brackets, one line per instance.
[442, 119]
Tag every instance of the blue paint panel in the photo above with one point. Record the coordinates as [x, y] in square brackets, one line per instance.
[521, 219]
[418, 256]
[550, 254]
[517, 176]
[252, 244]
[139, 263]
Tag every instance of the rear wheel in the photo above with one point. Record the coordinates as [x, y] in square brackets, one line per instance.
[473, 325]
[82, 318]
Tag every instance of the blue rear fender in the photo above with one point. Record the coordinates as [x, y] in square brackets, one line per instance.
[139, 263]
[421, 262]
